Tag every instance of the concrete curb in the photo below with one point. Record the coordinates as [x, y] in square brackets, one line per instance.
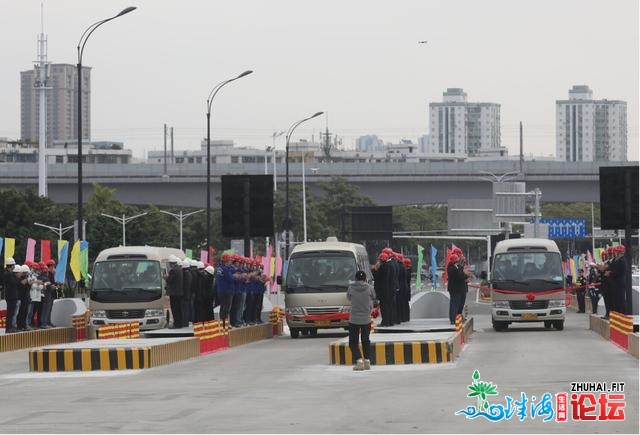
[38, 337]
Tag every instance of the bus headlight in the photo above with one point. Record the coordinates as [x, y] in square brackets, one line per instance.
[99, 314]
[153, 313]
[556, 303]
[295, 310]
[501, 304]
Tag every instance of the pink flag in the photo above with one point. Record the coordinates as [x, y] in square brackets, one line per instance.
[278, 270]
[266, 261]
[590, 257]
[204, 256]
[31, 249]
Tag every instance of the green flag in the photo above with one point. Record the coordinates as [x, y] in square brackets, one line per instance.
[419, 268]
[189, 253]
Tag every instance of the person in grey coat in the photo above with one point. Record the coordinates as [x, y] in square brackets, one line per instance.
[362, 297]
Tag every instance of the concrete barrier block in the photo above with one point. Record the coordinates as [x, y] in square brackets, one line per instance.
[64, 309]
[430, 305]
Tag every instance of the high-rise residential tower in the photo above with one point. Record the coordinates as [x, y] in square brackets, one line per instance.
[62, 110]
[463, 128]
[590, 130]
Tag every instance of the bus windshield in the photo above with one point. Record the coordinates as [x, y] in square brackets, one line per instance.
[320, 271]
[528, 270]
[128, 275]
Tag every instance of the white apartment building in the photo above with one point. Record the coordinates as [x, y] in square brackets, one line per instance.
[590, 130]
[462, 128]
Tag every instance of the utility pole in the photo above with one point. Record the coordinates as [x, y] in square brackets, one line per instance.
[521, 151]
[41, 81]
[165, 149]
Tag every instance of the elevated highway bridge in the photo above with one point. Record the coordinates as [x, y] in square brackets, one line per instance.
[184, 185]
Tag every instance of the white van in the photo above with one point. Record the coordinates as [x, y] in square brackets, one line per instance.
[527, 283]
[127, 286]
[316, 284]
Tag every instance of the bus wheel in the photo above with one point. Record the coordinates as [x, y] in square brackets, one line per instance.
[547, 324]
[305, 331]
[313, 332]
[295, 332]
[559, 325]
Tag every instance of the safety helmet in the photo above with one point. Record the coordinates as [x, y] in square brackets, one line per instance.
[51, 263]
[210, 270]
[185, 264]
[17, 268]
[10, 261]
[407, 262]
[226, 257]
[199, 264]
[454, 258]
[457, 250]
[383, 257]
[387, 251]
[173, 259]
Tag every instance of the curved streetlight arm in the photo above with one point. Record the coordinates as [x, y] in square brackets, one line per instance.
[85, 36]
[296, 124]
[219, 86]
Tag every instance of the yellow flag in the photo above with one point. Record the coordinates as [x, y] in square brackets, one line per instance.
[74, 263]
[273, 266]
[9, 248]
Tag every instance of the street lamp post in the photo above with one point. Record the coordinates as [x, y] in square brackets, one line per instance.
[275, 135]
[212, 94]
[287, 222]
[181, 217]
[123, 220]
[60, 230]
[83, 40]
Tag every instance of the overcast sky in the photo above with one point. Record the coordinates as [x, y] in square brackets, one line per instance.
[359, 61]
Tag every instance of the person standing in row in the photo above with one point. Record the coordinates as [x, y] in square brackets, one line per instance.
[225, 283]
[617, 273]
[174, 290]
[604, 281]
[380, 272]
[362, 295]
[208, 293]
[10, 279]
[50, 294]
[456, 286]
[187, 279]
[406, 311]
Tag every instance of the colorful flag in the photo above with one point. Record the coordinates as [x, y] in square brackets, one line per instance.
[266, 261]
[74, 263]
[590, 257]
[597, 253]
[419, 268]
[204, 256]
[434, 268]
[9, 249]
[572, 266]
[1, 243]
[63, 255]
[45, 250]
[31, 250]
[189, 253]
[84, 259]
[211, 252]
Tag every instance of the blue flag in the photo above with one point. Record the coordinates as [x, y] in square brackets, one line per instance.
[1, 241]
[63, 257]
[434, 267]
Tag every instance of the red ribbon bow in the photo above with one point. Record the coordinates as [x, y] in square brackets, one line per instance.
[531, 297]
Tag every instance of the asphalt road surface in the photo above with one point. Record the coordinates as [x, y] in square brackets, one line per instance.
[284, 386]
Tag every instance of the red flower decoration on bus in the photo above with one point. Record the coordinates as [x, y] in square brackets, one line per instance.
[531, 297]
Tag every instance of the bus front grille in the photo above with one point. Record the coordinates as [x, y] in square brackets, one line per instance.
[125, 314]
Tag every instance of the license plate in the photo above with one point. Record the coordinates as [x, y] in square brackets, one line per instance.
[530, 316]
[322, 322]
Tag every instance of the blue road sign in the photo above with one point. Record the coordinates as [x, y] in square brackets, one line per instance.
[565, 228]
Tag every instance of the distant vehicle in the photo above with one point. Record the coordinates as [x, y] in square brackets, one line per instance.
[127, 286]
[316, 283]
[532, 270]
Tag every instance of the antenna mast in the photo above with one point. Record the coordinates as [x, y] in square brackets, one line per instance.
[40, 84]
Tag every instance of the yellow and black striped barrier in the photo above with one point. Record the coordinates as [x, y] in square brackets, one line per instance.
[389, 353]
[620, 326]
[119, 330]
[115, 358]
